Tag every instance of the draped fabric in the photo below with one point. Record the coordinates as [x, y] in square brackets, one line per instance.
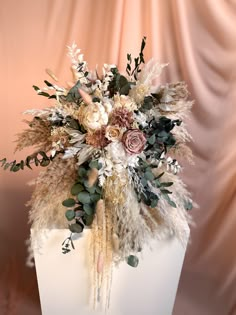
[198, 40]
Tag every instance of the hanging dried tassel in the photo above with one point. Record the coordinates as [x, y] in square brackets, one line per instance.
[115, 242]
[92, 177]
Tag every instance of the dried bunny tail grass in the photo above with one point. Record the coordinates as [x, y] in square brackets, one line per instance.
[51, 74]
[37, 135]
[52, 187]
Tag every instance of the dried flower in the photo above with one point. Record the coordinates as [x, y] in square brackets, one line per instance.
[93, 116]
[125, 102]
[174, 92]
[134, 141]
[114, 133]
[92, 177]
[100, 211]
[60, 135]
[138, 92]
[38, 134]
[115, 242]
[121, 117]
[97, 138]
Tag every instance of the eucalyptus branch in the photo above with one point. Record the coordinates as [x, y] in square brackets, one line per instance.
[30, 159]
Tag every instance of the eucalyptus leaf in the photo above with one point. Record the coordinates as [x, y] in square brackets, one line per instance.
[88, 209]
[44, 162]
[82, 172]
[133, 261]
[95, 197]
[91, 190]
[166, 184]
[16, 167]
[70, 215]
[149, 175]
[88, 219]
[76, 227]
[154, 203]
[165, 191]
[99, 189]
[70, 202]
[171, 202]
[188, 205]
[76, 188]
[3, 161]
[152, 139]
[160, 175]
[84, 197]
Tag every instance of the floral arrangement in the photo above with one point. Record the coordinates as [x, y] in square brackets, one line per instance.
[110, 144]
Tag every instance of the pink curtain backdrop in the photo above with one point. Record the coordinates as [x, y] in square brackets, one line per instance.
[198, 39]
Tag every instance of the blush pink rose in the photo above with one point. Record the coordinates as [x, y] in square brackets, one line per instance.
[134, 141]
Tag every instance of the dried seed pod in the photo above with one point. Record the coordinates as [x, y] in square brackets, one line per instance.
[100, 210]
[92, 177]
[100, 262]
[115, 242]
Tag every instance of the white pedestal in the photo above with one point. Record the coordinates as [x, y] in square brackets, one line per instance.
[149, 289]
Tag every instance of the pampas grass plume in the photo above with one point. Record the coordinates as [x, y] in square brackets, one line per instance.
[100, 210]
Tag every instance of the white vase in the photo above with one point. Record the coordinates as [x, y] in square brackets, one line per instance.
[149, 289]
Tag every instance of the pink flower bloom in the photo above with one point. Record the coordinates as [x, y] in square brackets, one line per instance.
[134, 141]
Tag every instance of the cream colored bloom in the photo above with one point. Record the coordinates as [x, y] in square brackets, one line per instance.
[138, 92]
[124, 101]
[113, 133]
[93, 116]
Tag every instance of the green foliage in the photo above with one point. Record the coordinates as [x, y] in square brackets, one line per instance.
[152, 139]
[137, 61]
[73, 94]
[95, 164]
[76, 227]
[119, 84]
[88, 219]
[70, 215]
[147, 179]
[67, 245]
[42, 93]
[133, 261]
[88, 209]
[70, 202]
[84, 197]
[170, 202]
[38, 159]
[76, 188]
[82, 206]
[188, 205]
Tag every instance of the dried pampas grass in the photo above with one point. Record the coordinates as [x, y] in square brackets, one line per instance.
[51, 188]
[37, 135]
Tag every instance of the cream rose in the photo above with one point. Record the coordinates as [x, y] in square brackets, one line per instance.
[93, 116]
[113, 133]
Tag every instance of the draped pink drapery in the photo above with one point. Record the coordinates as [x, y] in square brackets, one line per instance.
[198, 40]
